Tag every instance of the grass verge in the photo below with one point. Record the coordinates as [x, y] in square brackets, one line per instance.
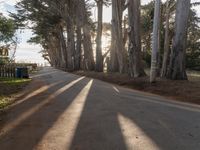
[10, 87]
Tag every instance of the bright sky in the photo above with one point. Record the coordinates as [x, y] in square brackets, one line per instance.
[30, 53]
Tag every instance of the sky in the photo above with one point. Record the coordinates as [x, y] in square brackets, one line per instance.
[30, 53]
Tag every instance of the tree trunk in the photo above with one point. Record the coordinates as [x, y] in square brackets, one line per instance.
[88, 51]
[78, 48]
[54, 46]
[177, 69]
[114, 65]
[155, 42]
[70, 46]
[117, 48]
[87, 43]
[63, 47]
[135, 59]
[166, 44]
[99, 58]
[69, 13]
[79, 24]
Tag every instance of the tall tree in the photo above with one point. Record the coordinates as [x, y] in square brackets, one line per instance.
[118, 53]
[168, 11]
[99, 57]
[167, 40]
[87, 43]
[135, 59]
[177, 69]
[155, 41]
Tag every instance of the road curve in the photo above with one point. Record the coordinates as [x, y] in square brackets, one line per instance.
[62, 111]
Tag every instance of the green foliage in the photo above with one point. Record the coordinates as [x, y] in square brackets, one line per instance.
[4, 60]
[13, 86]
[7, 29]
[36, 39]
[146, 30]
[7, 34]
[193, 50]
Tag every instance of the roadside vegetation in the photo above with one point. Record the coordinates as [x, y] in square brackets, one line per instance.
[9, 87]
[181, 90]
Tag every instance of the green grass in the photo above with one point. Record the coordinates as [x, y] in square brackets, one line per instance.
[4, 101]
[10, 87]
[14, 81]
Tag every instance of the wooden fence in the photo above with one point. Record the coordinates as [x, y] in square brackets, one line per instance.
[7, 71]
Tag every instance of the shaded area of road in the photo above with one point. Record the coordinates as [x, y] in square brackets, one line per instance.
[64, 111]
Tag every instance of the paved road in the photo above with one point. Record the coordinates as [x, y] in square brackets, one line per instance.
[61, 111]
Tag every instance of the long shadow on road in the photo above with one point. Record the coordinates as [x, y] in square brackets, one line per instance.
[111, 121]
[29, 131]
[34, 96]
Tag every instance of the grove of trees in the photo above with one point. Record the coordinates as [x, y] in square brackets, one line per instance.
[165, 36]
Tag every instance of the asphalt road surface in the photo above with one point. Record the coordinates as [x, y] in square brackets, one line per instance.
[62, 111]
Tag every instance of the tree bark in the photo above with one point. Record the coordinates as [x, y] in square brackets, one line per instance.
[63, 47]
[155, 41]
[99, 57]
[79, 24]
[166, 44]
[87, 43]
[70, 35]
[117, 48]
[135, 59]
[78, 48]
[177, 69]
[54, 47]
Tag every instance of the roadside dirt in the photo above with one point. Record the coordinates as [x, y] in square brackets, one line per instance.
[15, 94]
[184, 91]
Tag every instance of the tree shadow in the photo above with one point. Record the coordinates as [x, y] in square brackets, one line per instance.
[34, 97]
[98, 126]
[145, 125]
[29, 131]
[167, 125]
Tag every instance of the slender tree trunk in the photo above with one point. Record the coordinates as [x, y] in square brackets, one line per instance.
[114, 65]
[78, 48]
[50, 53]
[88, 51]
[87, 43]
[155, 41]
[79, 24]
[70, 26]
[70, 45]
[117, 48]
[177, 69]
[54, 45]
[99, 57]
[135, 59]
[166, 44]
[63, 47]
[125, 32]
[158, 65]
